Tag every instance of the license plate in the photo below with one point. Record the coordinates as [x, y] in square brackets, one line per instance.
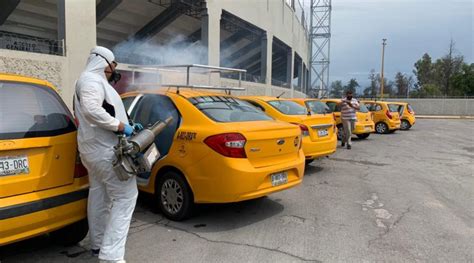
[279, 178]
[11, 165]
[368, 128]
[323, 132]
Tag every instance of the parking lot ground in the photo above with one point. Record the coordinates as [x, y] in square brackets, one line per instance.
[402, 197]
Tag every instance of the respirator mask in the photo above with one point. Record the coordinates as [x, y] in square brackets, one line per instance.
[115, 75]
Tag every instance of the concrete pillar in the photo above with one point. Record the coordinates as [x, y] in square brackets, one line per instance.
[290, 69]
[263, 58]
[210, 33]
[268, 78]
[300, 74]
[80, 38]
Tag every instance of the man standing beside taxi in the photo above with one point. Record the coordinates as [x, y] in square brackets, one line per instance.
[349, 107]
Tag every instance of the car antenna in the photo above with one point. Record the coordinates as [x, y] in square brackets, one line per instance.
[280, 95]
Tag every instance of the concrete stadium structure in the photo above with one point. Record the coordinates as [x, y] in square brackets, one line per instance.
[51, 39]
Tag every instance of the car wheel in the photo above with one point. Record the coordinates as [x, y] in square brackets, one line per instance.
[309, 161]
[340, 132]
[363, 135]
[174, 195]
[71, 234]
[405, 125]
[392, 131]
[381, 128]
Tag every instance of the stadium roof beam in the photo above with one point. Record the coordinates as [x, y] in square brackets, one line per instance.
[233, 38]
[7, 8]
[244, 50]
[104, 8]
[250, 61]
[158, 23]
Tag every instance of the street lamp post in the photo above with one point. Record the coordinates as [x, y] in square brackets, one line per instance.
[384, 43]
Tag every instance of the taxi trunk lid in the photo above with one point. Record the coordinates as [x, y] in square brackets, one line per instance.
[269, 142]
[320, 126]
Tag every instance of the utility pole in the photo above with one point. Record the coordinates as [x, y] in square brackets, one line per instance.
[384, 43]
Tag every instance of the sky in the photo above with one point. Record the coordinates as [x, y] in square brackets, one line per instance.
[411, 27]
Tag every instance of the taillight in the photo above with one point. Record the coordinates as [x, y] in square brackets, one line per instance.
[389, 115]
[228, 144]
[79, 169]
[304, 129]
[334, 117]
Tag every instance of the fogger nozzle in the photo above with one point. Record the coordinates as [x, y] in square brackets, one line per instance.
[147, 136]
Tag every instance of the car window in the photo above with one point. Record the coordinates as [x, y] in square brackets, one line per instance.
[152, 108]
[378, 107]
[258, 106]
[228, 109]
[393, 107]
[410, 108]
[127, 102]
[317, 106]
[363, 108]
[333, 106]
[288, 107]
[28, 110]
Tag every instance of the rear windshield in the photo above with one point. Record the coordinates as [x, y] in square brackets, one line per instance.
[28, 111]
[333, 106]
[317, 107]
[363, 108]
[394, 107]
[288, 107]
[228, 109]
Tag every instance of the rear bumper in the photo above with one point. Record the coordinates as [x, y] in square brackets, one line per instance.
[37, 213]
[226, 180]
[394, 125]
[317, 149]
[361, 128]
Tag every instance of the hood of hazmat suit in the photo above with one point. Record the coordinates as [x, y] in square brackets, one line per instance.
[99, 110]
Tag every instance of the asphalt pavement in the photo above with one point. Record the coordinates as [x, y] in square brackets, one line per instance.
[402, 197]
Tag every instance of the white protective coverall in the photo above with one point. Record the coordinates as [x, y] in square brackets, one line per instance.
[111, 201]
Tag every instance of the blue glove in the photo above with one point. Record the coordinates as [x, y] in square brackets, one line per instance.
[127, 130]
[137, 126]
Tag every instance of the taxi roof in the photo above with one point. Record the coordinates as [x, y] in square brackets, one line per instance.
[26, 79]
[332, 100]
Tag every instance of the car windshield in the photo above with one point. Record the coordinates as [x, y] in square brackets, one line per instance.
[288, 107]
[363, 108]
[228, 109]
[28, 110]
[394, 107]
[317, 107]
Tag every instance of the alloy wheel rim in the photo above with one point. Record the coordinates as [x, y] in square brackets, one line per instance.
[404, 125]
[340, 132]
[380, 128]
[172, 196]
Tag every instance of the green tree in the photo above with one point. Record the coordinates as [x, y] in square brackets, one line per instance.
[372, 90]
[403, 84]
[336, 89]
[352, 85]
[446, 67]
[463, 81]
[424, 71]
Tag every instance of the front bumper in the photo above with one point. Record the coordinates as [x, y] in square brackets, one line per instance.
[362, 128]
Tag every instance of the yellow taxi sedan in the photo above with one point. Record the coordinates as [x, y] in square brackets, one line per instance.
[407, 114]
[43, 188]
[386, 116]
[364, 125]
[318, 130]
[218, 149]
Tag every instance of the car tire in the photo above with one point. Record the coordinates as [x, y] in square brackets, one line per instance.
[71, 234]
[363, 135]
[381, 128]
[308, 161]
[392, 131]
[405, 125]
[340, 132]
[175, 198]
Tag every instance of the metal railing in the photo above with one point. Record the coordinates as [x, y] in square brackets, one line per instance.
[20, 42]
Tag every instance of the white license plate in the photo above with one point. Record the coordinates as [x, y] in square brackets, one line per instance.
[368, 128]
[279, 178]
[322, 132]
[11, 165]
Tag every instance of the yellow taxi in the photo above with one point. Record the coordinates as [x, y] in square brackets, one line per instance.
[364, 125]
[407, 115]
[386, 116]
[318, 130]
[43, 187]
[218, 149]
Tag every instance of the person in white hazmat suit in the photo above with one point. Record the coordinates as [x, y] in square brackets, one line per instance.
[101, 114]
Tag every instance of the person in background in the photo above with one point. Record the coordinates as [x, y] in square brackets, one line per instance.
[349, 107]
